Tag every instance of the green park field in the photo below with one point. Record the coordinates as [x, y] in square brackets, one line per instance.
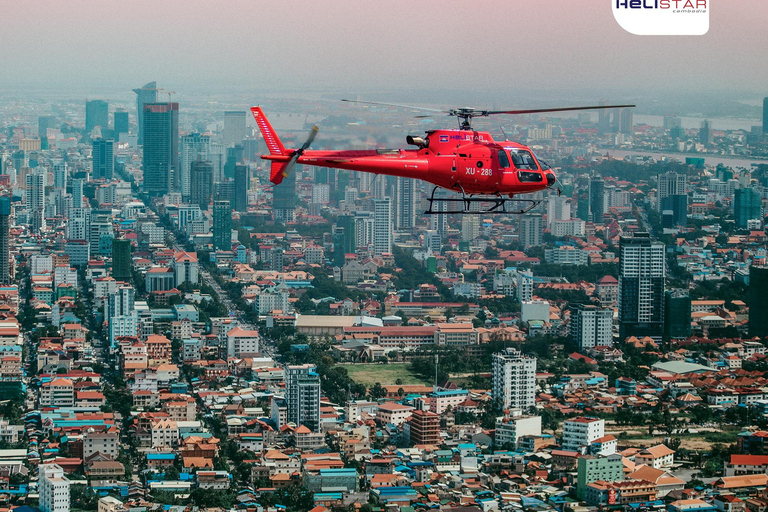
[385, 374]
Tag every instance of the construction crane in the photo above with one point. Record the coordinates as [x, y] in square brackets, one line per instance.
[160, 90]
[166, 91]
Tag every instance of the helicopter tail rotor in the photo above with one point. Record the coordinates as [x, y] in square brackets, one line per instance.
[281, 170]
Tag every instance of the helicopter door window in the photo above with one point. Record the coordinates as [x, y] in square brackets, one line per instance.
[523, 160]
[503, 159]
[529, 177]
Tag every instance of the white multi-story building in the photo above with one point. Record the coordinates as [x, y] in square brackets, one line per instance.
[408, 199]
[122, 326]
[103, 442]
[382, 226]
[591, 326]
[530, 230]
[364, 224]
[121, 302]
[558, 208]
[525, 286]
[578, 433]
[509, 429]
[314, 255]
[514, 379]
[470, 227]
[321, 193]
[165, 434]
[53, 489]
[155, 234]
[470, 290]
[670, 184]
[573, 227]
[302, 395]
[41, 264]
[59, 392]
[103, 287]
[60, 174]
[185, 268]
[64, 274]
[79, 225]
[505, 282]
[394, 413]
[242, 343]
[566, 255]
[433, 241]
[11, 434]
[273, 298]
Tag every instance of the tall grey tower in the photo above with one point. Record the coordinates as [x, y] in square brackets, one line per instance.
[146, 94]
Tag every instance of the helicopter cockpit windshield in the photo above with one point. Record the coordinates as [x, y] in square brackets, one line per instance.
[522, 159]
[544, 165]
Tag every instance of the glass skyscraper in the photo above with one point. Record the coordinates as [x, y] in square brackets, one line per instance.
[161, 147]
[641, 286]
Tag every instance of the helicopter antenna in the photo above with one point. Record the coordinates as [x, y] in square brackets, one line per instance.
[503, 132]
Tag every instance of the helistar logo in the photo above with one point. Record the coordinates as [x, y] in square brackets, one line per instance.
[662, 17]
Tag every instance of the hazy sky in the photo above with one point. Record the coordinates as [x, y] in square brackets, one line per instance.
[348, 45]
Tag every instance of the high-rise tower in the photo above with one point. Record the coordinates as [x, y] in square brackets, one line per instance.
[146, 94]
[161, 147]
[202, 184]
[96, 114]
[5, 242]
[234, 127]
[382, 226]
[641, 286]
[222, 226]
[103, 159]
[302, 395]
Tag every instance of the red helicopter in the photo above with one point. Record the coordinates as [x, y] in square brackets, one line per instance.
[482, 170]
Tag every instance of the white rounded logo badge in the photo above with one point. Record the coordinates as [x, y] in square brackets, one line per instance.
[663, 17]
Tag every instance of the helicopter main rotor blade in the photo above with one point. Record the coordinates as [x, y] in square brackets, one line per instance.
[560, 109]
[425, 109]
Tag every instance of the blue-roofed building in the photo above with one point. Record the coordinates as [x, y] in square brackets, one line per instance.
[402, 496]
[468, 449]
[692, 505]
[186, 312]
[160, 460]
[626, 386]
[332, 480]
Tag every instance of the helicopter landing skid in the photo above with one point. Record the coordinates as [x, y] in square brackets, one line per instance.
[498, 205]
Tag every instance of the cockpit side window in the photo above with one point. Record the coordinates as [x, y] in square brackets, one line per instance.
[503, 159]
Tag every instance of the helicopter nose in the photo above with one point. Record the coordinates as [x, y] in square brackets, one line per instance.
[551, 179]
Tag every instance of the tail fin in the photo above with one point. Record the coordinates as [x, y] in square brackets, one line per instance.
[270, 136]
[277, 173]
